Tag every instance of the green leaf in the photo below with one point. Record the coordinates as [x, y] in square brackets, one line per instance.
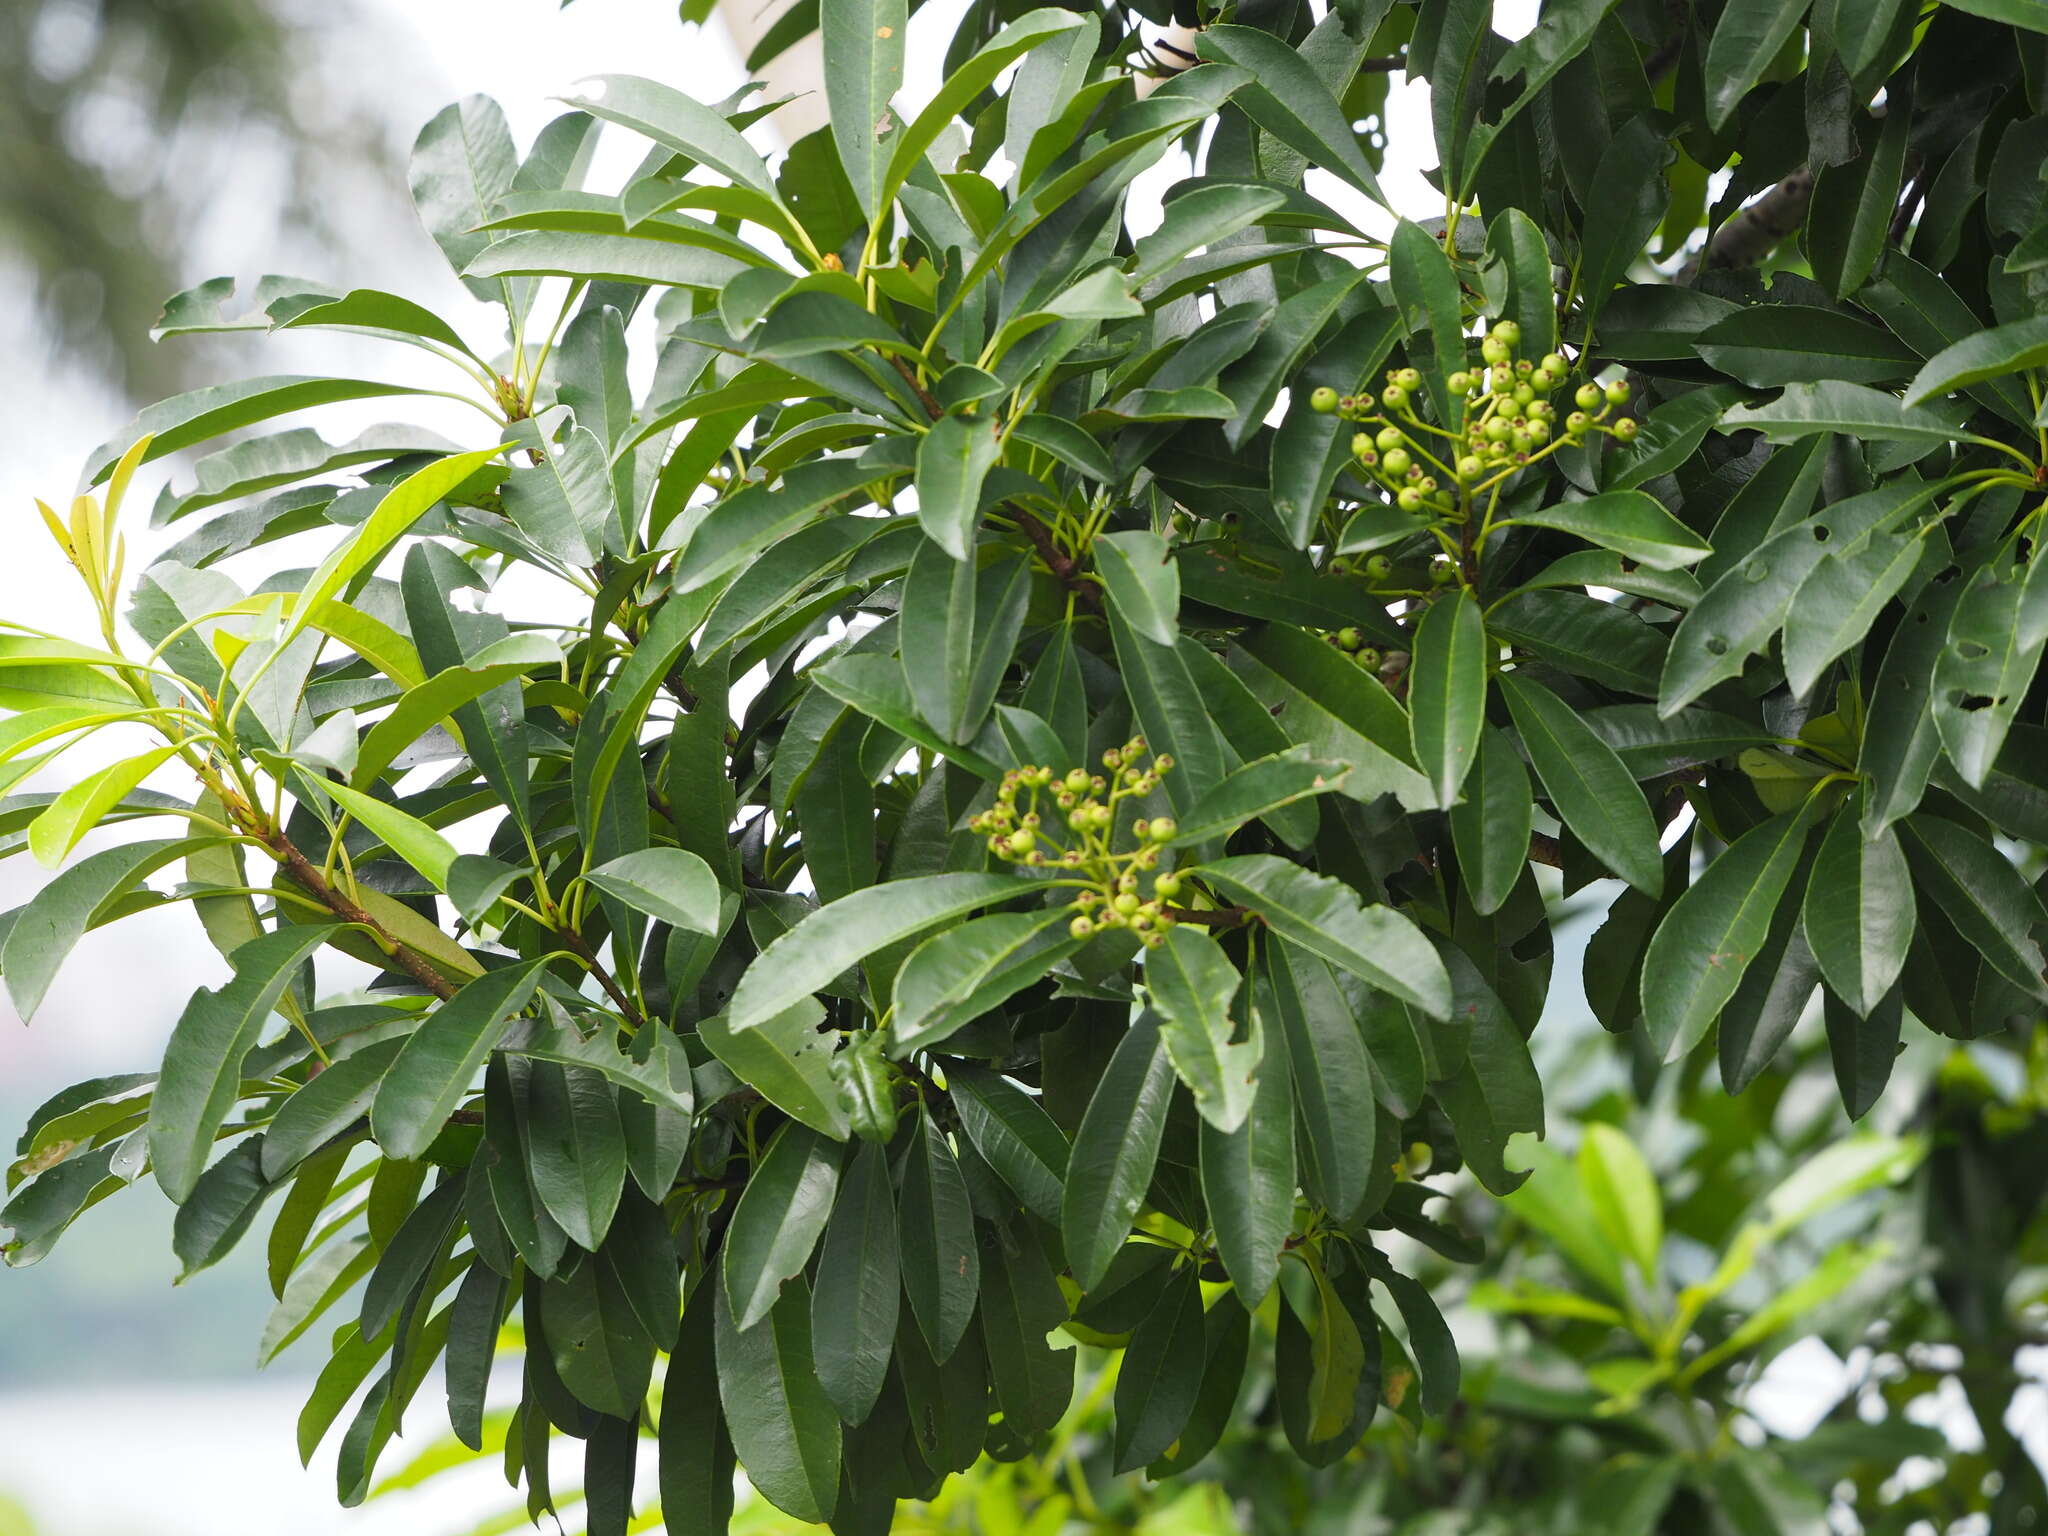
[1490, 826]
[1859, 915]
[222, 1204]
[1326, 1058]
[1256, 789]
[737, 529]
[1631, 523]
[1987, 663]
[1991, 354]
[326, 1107]
[462, 162]
[1593, 793]
[1426, 292]
[935, 1222]
[49, 925]
[670, 885]
[1835, 406]
[1978, 890]
[953, 459]
[1332, 706]
[1749, 603]
[202, 1070]
[1746, 39]
[1447, 692]
[1115, 1151]
[1289, 100]
[1494, 1094]
[448, 693]
[863, 50]
[1768, 345]
[1863, 1048]
[853, 1311]
[183, 420]
[575, 1150]
[1700, 950]
[787, 1060]
[1628, 189]
[1513, 238]
[1325, 918]
[565, 503]
[1014, 1136]
[1839, 601]
[960, 623]
[679, 123]
[783, 1426]
[876, 686]
[1143, 582]
[1192, 985]
[781, 1215]
[1848, 222]
[1031, 1381]
[607, 258]
[955, 977]
[443, 1055]
[1161, 1375]
[1623, 1193]
[840, 934]
[1248, 1179]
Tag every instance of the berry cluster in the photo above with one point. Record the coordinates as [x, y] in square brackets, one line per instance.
[1080, 839]
[1506, 422]
[1351, 641]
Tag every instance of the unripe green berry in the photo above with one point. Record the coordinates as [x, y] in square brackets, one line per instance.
[1396, 461]
[1538, 432]
[1588, 397]
[1154, 939]
[1167, 885]
[1126, 902]
[1521, 442]
[1409, 499]
[1378, 568]
[1408, 378]
[1469, 467]
[1576, 423]
[1388, 439]
[1617, 392]
[1368, 658]
[1460, 383]
[1553, 363]
[1497, 430]
[1323, 401]
[1523, 394]
[1442, 573]
[1163, 829]
[1081, 927]
[1625, 429]
[1020, 841]
[1077, 781]
[1394, 397]
[1508, 332]
[1361, 445]
[1350, 637]
[1494, 350]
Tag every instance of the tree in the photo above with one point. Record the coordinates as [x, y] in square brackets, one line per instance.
[1041, 802]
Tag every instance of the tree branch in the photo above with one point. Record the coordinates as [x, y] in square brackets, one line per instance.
[310, 880]
[1753, 232]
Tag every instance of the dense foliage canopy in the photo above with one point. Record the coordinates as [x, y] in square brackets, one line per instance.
[1022, 790]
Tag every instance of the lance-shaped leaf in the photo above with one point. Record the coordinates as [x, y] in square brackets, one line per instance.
[737, 529]
[80, 807]
[1988, 354]
[783, 1426]
[202, 1071]
[1988, 663]
[788, 1061]
[1490, 826]
[1161, 1374]
[1325, 1053]
[1192, 984]
[576, 1150]
[1426, 291]
[677, 122]
[1859, 909]
[1494, 1094]
[326, 1107]
[1325, 918]
[1447, 692]
[955, 977]
[1833, 405]
[863, 48]
[842, 933]
[782, 1213]
[1248, 1179]
[402, 832]
[854, 1309]
[1631, 523]
[953, 460]
[672, 885]
[1143, 582]
[565, 502]
[449, 692]
[1289, 100]
[1746, 38]
[1256, 789]
[1978, 890]
[1594, 794]
[1699, 952]
[46, 928]
[1115, 1151]
[935, 1227]
[1014, 1136]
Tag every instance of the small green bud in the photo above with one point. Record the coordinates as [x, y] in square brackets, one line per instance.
[1020, 841]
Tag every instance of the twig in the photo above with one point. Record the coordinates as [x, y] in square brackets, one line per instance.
[1752, 233]
[1062, 565]
[582, 950]
[1215, 917]
[924, 396]
[304, 875]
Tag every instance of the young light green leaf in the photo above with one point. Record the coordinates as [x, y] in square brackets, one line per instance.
[1623, 1194]
[81, 806]
[403, 833]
